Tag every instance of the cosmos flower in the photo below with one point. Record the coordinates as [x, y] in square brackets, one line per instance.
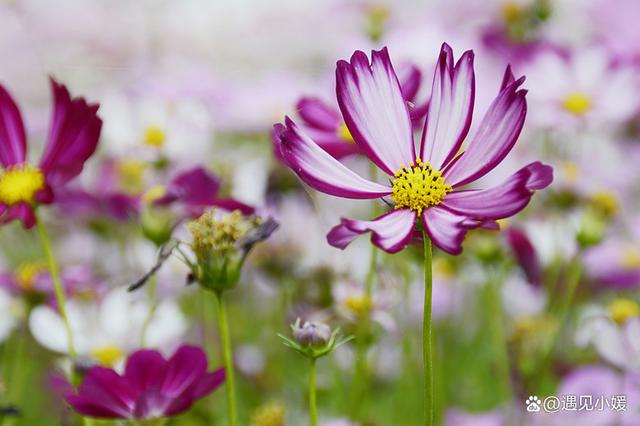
[323, 123]
[73, 137]
[107, 329]
[424, 185]
[33, 281]
[151, 386]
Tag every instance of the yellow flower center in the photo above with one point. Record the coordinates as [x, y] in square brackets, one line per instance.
[20, 184]
[107, 355]
[272, 414]
[131, 175]
[358, 304]
[512, 12]
[418, 187]
[605, 203]
[344, 133]
[631, 257]
[27, 273]
[577, 103]
[154, 136]
[154, 193]
[623, 309]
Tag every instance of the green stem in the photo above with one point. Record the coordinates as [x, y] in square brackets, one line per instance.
[54, 270]
[497, 331]
[151, 295]
[228, 361]
[313, 411]
[429, 404]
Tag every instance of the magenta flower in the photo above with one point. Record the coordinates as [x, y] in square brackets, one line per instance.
[150, 387]
[323, 123]
[425, 185]
[197, 189]
[73, 137]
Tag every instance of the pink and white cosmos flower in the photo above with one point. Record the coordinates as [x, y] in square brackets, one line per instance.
[425, 184]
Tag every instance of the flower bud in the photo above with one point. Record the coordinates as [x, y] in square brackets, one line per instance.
[311, 333]
[221, 243]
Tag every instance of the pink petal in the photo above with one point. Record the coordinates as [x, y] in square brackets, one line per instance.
[495, 136]
[95, 408]
[198, 390]
[447, 229]
[22, 211]
[450, 108]
[12, 136]
[145, 369]
[73, 136]
[391, 231]
[374, 110]
[317, 168]
[187, 365]
[410, 79]
[317, 114]
[503, 200]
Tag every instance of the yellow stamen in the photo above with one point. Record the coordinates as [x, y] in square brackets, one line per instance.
[631, 258]
[154, 136]
[272, 414]
[418, 187]
[512, 12]
[20, 184]
[358, 304]
[131, 175]
[570, 171]
[605, 203]
[154, 193]
[623, 309]
[344, 133]
[107, 355]
[577, 103]
[26, 274]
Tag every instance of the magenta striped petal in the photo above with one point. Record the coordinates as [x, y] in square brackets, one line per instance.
[145, 369]
[13, 146]
[450, 108]
[374, 110]
[317, 168]
[99, 408]
[73, 136]
[317, 114]
[495, 136]
[391, 231]
[503, 200]
[447, 229]
[410, 79]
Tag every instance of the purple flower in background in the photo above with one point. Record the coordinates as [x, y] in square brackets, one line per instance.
[323, 123]
[34, 279]
[426, 184]
[73, 136]
[150, 387]
[525, 255]
[197, 189]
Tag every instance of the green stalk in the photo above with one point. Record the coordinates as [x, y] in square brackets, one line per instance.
[498, 334]
[429, 404]
[228, 361]
[54, 270]
[151, 295]
[313, 411]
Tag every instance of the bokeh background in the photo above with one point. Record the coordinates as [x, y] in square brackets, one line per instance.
[548, 306]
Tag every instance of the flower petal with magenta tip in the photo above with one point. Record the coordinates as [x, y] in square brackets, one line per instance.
[503, 200]
[371, 102]
[494, 137]
[319, 169]
[450, 108]
[391, 231]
